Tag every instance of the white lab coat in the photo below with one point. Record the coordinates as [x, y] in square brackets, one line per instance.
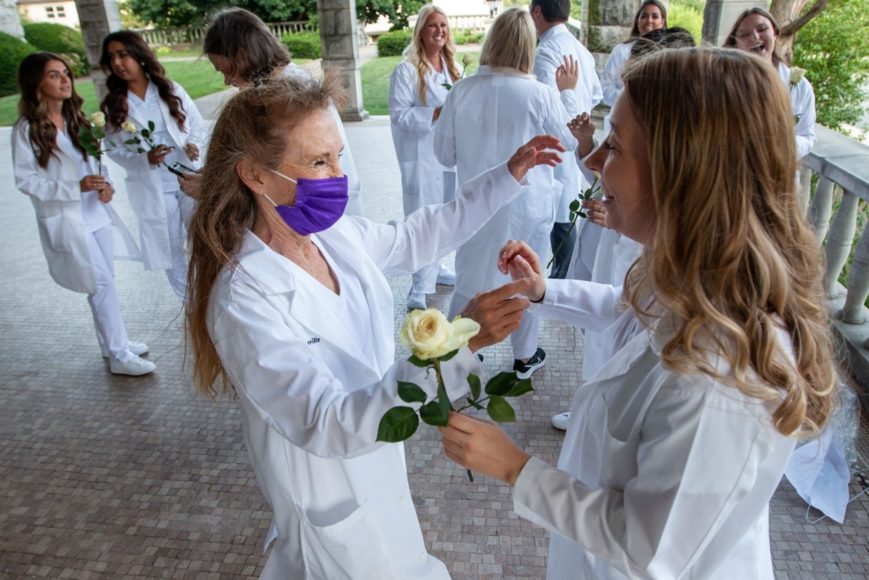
[424, 180]
[56, 196]
[485, 118]
[611, 77]
[554, 45]
[661, 475]
[348, 166]
[312, 399]
[803, 103]
[144, 186]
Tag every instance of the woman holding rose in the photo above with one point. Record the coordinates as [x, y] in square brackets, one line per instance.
[677, 443]
[80, 232]
[289, 309]
[140, 96]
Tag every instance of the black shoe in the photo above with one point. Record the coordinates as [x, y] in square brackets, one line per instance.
[526, 369]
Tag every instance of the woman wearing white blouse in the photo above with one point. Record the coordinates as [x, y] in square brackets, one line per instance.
[140, 93]
[756, 31]
[417, 89]
[81, 234]
[676, 445]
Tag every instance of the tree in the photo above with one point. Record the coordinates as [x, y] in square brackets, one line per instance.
[833, 49]
[181, 13]
[791, 16]
[397, 11]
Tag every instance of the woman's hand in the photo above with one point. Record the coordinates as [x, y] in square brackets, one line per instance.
[498, 312]
[436, 114]
[482, 447]
[190, 183]
[522, 263]
[92, 183]
[106, 194]
[582, 129]
[158, 153]
[567, 75]
[192, 151]
[534, 153]
[595, 211]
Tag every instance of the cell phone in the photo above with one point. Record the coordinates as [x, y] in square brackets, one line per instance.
[180, 169]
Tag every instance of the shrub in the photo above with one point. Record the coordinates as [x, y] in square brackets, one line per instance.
[61, 40]
[302, 44]
[12, 51]
[468, 37]
[393, 43]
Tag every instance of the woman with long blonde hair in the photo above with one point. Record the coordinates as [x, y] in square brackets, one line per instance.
[417, 89]
[676, 445]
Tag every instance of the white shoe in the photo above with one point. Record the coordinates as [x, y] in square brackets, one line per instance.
[131, 365]
[446, 277]
[137, 348]
[561, 420]
[416, 301]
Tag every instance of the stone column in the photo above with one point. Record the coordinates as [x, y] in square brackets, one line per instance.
[609, 23]
[719, 16]
[341, 52]
[97, 18]
[10, 21]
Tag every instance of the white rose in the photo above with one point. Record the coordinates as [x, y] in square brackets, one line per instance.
[98, 120]
[797, 75]
[128, 126]
[430, 335]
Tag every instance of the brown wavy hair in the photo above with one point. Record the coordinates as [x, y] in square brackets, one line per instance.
[43, 133]
[731, 260]
[635, 30]
[415, 51]
[115, 104]
[244, 39]
[253, 125]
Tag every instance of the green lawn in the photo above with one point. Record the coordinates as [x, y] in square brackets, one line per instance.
[197, 77]
[375, 81]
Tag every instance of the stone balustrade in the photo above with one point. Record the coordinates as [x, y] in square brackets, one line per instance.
[842, 163]
[194, 35]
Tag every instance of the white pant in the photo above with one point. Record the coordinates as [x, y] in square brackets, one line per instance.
[111, 332]
[179, 209]
[523, 339]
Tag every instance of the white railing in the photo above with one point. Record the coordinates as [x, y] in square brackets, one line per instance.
[194, 35]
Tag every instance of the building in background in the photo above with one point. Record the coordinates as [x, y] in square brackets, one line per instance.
[56, 11]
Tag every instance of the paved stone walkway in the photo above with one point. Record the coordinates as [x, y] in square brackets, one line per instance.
[112, 477]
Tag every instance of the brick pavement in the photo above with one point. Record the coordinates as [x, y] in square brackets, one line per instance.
[111, 477]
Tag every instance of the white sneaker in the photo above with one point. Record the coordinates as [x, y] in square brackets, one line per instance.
[137, 348]
[416, 301]
[131, 365]
[446, 277]
[561, 420]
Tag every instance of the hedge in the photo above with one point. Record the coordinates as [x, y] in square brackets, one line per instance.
[302, 44]
[59, 39]
[393, 43]
[12, 52]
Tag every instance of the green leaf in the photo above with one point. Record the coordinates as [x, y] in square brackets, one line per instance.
[139, 150]
[397, 424]
[447, 86]
[151, 126]
[475, 404]
[520, 388]
[411, 393]
[418, 362]
[474, 383]
[448, 356]
[500, 410]
[145, 133]
[432, 414]
[501, 383]
[582, 214]
[133, 141]
[574, 206]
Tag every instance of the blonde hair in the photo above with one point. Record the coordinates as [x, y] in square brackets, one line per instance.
[253, 125]
[415, 51]
[732, 259]
[511, 41]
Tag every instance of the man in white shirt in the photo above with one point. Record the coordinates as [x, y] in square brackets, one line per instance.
[555, 44]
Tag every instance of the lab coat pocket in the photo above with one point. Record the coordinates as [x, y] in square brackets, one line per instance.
[350, 549]
[54, 230]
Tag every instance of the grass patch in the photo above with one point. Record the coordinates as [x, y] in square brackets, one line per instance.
[197, 77]
[375, 81]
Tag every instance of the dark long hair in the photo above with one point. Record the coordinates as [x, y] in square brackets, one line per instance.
[115, 104]
[43, 133]
[244, 39]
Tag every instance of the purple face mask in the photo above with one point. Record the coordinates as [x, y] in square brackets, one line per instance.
[319, 203]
